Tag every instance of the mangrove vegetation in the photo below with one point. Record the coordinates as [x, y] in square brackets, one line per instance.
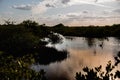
[21, 45]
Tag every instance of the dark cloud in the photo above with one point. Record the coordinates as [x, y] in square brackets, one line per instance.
[96, 1]
[49, 5]
[76, 15]
[65, 1]
[85, 12]
[22, 7]
[117, 10]
[72, 15]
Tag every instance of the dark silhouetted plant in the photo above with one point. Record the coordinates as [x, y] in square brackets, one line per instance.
[8, 22]
[29, 23]
[97, 73]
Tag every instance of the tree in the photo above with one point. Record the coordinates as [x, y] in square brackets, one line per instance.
[8, 22]
[29, 23]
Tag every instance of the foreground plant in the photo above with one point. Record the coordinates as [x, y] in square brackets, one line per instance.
[19, 69]
[97, 73]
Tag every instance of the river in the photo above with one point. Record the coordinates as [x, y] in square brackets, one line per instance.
[91, 52]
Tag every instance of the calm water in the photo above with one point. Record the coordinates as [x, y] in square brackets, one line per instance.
[82, 52]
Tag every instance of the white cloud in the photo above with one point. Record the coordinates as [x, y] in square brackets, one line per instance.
[87, 18]
[62, 11]
[39, 9]
[44, 5]
[106, 0]
[23, 7]
[89, 2]
[1, 21]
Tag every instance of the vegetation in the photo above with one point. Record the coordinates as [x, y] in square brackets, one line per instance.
[90, 31]
[19, 69]
[82, 31]
[21, 46]
[98, 74]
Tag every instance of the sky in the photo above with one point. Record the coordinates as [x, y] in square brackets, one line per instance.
[68, 12]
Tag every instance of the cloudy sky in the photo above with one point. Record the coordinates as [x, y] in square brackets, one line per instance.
[68, 12]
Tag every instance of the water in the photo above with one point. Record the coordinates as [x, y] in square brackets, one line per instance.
[91, 52]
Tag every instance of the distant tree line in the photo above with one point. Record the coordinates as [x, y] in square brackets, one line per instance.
[89, 31]
[82, 31]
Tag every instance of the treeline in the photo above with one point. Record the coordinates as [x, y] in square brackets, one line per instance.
[81, 31]
[89, 31]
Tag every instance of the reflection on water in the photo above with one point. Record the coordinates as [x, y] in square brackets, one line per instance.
[83, 52]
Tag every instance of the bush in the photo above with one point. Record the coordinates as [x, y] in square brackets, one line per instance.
[97, 74]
